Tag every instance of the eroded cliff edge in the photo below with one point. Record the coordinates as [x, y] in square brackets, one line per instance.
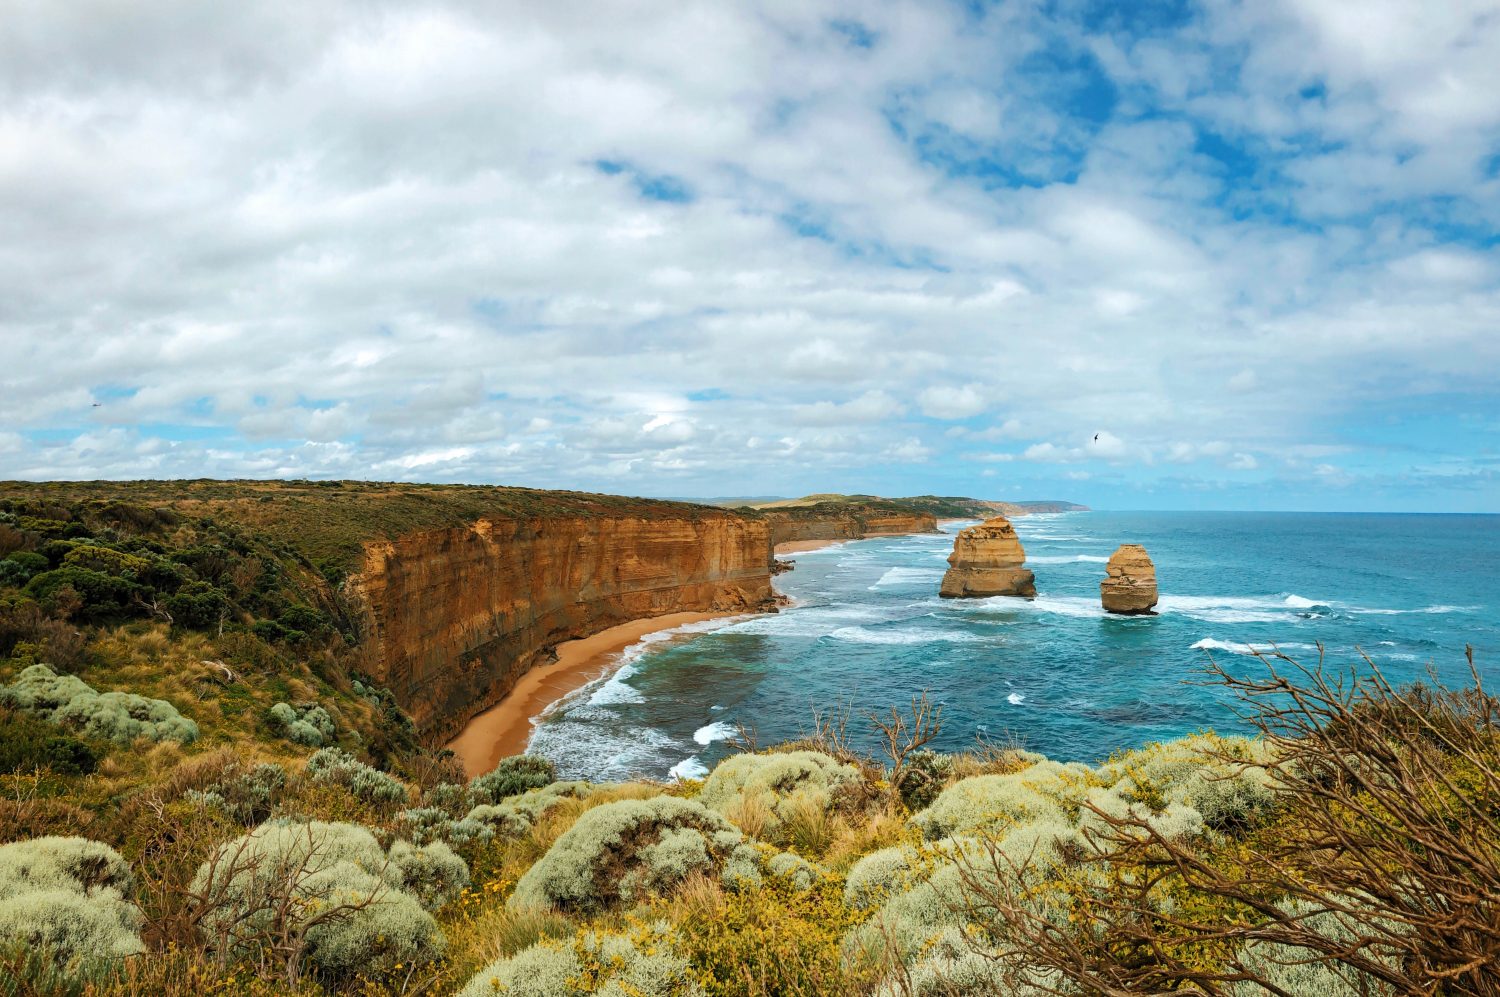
[454, 617]
[844, 522]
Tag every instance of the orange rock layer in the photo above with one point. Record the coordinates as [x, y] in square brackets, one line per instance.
[453, 618]
[1129, 585]
[790, 527]
[987, 560]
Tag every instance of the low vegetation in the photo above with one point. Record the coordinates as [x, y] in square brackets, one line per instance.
[199, 794]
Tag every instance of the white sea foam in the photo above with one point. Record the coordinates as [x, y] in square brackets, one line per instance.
[863, 635]
[1225, 609]
[1073, 559]
[1210, 644]
[1298, 602]
[1016, 698]
[688, 768]
[719, 730]
[1402, 612]
[908, 576]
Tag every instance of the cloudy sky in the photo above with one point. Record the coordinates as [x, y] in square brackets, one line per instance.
[760, 248]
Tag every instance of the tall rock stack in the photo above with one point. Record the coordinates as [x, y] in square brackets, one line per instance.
[986, 561]
[1129, 588]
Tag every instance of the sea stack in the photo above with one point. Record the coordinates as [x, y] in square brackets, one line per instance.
[1130, 586]
[986, 561]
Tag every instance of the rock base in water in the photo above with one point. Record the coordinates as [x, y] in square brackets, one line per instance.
[986, 561]
[1129, 588]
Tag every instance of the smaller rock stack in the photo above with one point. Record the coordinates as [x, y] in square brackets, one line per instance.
[986, 561]
[1130, 586]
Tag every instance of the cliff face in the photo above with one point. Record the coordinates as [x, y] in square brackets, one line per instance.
[844, 523]
[453, 617]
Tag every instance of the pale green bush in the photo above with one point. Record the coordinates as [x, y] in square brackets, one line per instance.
[310, 725]
[1047, 791]
[431, 873]
[879, 875]
[513, 776]
[1225, 779]
[309, 870]
[332, 765]
[609, 965]
[1305, 972]
[120, 717]
[625, 851]
[516, 815]
[796, 870]
[247, 796]
[67, 895]
[780, 784]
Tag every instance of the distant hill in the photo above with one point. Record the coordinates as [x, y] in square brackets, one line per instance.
[941, 506]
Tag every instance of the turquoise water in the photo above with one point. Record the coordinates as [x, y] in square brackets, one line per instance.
[1055, 673]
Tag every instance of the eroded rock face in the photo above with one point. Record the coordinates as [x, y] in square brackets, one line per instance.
[986, 561]
[454, 617]
[1130, 585]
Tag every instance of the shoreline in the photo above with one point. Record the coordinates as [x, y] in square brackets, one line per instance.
[505, 728]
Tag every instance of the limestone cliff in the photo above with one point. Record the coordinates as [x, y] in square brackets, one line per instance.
[1129, 586]
[844, 522]
[987, 560]
[453, 617]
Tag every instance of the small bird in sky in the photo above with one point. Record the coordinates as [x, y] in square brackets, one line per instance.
[1096, 437]
[98, 404]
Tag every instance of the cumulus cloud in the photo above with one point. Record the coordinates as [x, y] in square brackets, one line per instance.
[697, 249]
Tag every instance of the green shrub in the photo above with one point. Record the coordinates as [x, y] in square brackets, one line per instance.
[1304, 972]
[879, 875]
[28, 742]
[247, 796]
[641, 964]
[514, 816]
[511, 777]
[331, 765]
[198, 605]
[106, 560]
[921, 779]
[623, 852]
[120, 717]
[431, 873]
[1046, 791]
[67, 895]
[29, 561]
[308, 724]
[1223, 778]
[328, 885]
[783, 786]
[102, 595]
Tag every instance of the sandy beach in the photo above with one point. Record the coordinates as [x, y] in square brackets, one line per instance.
[504, 728]
[799, 546]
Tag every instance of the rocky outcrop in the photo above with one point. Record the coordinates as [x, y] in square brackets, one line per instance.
[987, 560]
[454, 617]
[843, 522]
[1129, 587]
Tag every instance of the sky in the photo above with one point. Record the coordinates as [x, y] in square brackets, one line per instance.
[1151, 255]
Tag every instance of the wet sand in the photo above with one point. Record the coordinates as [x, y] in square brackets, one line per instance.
[799, 546]
[505, 728]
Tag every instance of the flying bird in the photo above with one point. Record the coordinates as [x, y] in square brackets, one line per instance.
[1096, 437]
[98, 404]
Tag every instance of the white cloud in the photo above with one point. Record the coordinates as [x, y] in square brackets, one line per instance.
[949, 402]
[327, 238]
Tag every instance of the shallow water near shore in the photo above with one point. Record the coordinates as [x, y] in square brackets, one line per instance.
[1056, 673]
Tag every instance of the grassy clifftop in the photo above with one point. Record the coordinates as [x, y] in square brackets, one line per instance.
[941, 506]
[327, 521]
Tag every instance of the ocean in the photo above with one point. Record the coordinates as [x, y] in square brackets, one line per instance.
[1055, 674]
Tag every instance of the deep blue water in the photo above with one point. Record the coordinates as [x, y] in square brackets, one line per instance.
[1055, 673]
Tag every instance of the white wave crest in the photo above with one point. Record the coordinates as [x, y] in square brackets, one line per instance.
[863, 635]
[688, 768]
[1074, 559]
[1210, 644]
[1016, 698]
[1438, 610]
[719, 730]
[908, 576]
